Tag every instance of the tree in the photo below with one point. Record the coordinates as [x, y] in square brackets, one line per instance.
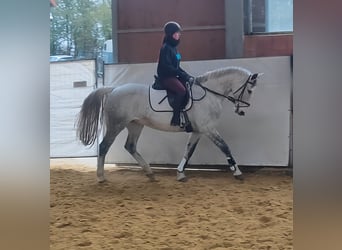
[104, 17]
[79, 27]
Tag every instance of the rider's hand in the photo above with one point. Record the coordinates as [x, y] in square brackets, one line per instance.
[191, 80]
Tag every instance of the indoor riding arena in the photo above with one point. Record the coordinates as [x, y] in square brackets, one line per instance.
[212, 209]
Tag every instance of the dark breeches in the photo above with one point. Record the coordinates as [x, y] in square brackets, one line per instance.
[175, 86]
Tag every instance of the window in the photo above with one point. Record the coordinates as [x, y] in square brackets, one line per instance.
[269, 16]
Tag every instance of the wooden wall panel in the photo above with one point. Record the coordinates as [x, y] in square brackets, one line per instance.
[194, 45]
[147, 14]
[268, 45]
[202, 45]
[139, 47]
[140, 29]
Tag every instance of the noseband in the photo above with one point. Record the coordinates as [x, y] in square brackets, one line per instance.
[239, 103]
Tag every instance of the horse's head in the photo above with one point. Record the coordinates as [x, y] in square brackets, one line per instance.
[243, 91]
[234, 83]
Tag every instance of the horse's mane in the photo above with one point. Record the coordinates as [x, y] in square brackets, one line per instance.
[217, 73]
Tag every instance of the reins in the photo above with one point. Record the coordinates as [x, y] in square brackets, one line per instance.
[236, 101]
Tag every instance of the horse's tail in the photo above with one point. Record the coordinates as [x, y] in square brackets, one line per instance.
[90, 114]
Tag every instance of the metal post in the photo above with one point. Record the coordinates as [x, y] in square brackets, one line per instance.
[115, 30]
[248, 17]
[234, 22]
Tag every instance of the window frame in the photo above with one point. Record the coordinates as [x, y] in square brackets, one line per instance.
[248, 21]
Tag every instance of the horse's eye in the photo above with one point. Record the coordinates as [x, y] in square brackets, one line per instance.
[249, 91]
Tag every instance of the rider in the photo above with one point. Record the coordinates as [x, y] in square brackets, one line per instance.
[171, 75]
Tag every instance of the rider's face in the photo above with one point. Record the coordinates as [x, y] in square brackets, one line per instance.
[176, 35]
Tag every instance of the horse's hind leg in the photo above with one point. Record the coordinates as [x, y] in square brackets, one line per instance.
[134, 131]
[107, 141]
[216, 138]
[189, 150]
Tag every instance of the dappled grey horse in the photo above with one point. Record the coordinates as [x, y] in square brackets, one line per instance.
[128, 106]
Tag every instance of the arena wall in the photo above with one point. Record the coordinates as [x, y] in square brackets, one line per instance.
[70, 83]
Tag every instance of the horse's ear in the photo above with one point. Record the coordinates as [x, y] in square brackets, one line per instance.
[256, 75]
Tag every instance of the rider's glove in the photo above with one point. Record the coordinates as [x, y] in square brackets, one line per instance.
[191, 80]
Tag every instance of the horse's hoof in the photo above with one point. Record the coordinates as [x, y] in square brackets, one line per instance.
[101, 180]
[239, 177]
[151, 177]
[181, 177]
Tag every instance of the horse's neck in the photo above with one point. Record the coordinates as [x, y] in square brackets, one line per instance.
[220, 85]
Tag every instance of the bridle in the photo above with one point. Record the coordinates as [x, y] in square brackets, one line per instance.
[238, 102]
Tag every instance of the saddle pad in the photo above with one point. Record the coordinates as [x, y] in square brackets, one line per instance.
[159, 102]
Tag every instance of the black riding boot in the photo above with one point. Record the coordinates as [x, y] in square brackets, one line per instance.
[175, 121]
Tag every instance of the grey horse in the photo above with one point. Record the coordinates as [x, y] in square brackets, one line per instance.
[128, 106]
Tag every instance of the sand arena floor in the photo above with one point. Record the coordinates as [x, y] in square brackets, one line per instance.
[210, 211]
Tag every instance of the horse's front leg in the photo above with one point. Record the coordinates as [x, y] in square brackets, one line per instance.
[189, 150]
[216, 138]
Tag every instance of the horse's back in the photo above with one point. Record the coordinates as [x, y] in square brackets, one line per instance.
[131, 89]
[130, 98]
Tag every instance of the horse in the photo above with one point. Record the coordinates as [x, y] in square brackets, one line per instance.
[128, 106]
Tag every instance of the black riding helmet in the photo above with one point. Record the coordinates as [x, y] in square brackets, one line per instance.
[171, 27]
